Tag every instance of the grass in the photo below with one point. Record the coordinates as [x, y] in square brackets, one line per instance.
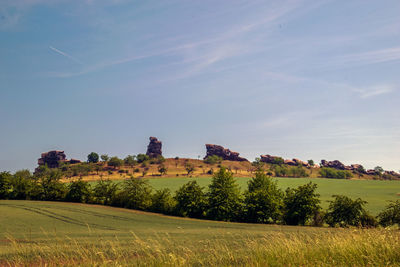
[54, 234]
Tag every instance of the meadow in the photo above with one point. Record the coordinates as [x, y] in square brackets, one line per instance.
[376, 192]
[55, 233]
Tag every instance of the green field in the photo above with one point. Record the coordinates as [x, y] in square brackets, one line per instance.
[53, 234]
[376, 193]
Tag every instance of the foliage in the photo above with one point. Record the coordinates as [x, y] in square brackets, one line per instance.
[343, 211]
[285, 171]
[391, 214]
[115, 162]
[162, 169]
[104, 192]
[136, 194]
[300, 204]
[130, 160]
[93, 157]
[190, 200]
[22, 185]
[262, 200]
[104, 157]
[224, 198]
[189, 168]
[163, 202]
[142, 158]
[310, 162]
[333, 173]
[79, 191]
[278, 161]
[213, 159]
[49, 187]
[5, 185]
[378, 170]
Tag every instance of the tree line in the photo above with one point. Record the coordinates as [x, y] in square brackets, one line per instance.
[261, 202]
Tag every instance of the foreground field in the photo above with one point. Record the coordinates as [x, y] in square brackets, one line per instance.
[52, 234]
[376, 193]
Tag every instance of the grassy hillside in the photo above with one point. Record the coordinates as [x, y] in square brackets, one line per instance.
[177, 168]
[53, 234]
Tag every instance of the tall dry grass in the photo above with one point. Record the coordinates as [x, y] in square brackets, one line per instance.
[371, 247]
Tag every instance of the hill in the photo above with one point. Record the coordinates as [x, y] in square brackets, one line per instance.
[54, 234]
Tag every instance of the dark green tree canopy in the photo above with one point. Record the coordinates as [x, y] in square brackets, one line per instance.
[343, 211]
[93, 157]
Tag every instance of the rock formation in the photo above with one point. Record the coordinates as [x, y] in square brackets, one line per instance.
[154, 148]
[222, 152]
[53, 158]
[269, 159]
[333, 164]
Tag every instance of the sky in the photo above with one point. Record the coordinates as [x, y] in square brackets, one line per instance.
[298, 79]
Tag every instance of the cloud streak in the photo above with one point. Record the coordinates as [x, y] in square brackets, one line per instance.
[66, 55]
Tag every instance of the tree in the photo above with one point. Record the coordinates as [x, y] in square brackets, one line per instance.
[115, 162]
[21, 185]
[190, 200]
[130, 160]
[162, 169]
[263, 200]
[189, 168]
[93, 157]
[343, 211]
[300, 204]
[5, 185]
[136, 194]
[162, 201]
[79, 191]
[311, 162]
[258, 164]
[378, 170]
[104, 191]
[49, 186]
[104, 157]
[142, 158]
[224, 197]
[391, 214]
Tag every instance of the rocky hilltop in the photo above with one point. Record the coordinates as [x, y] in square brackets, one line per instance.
[224, 153]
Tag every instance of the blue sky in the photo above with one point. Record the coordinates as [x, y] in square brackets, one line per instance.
[305, 79]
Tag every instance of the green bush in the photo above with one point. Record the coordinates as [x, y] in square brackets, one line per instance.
[343, 211]
[213, 159]
[190, 200]
[333, 173]
[300, 204]
[391, 214]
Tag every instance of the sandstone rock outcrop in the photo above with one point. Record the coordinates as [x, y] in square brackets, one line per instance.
[269, 159]
[222, 152]
[53, 159]
[333, 164]
[154, 148]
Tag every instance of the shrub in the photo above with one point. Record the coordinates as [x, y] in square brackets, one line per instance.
[136, 194]
[213, 159]
[300, 204]
[115, 162]
[142, 158]
[79, 191]
[130, 160]
[391, 214]
[163, 202]
[343, 211]
[104, 192]
[191, 200]
[333, 173]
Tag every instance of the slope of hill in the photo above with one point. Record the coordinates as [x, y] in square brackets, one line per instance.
[54, 234]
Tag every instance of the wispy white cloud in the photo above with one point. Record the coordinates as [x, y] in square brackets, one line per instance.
[372, 57]
[376, 91]
[65, 54]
